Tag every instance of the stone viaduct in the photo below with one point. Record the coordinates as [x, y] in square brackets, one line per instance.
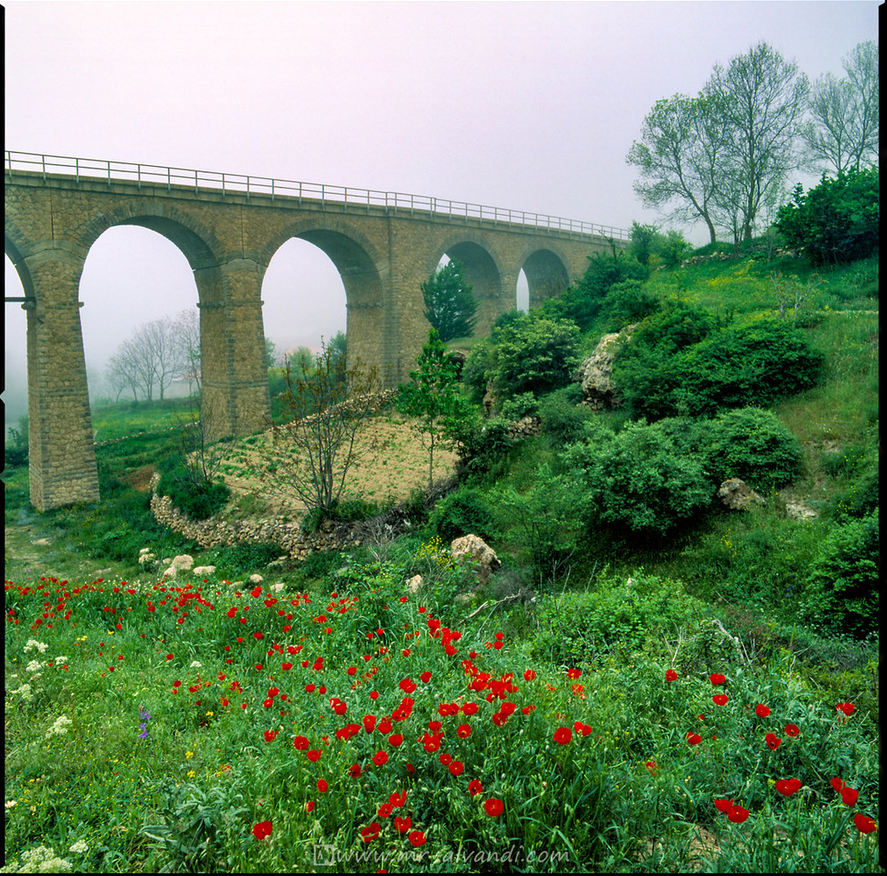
[384, 246]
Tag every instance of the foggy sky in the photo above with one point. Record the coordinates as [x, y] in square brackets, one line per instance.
[523, 105]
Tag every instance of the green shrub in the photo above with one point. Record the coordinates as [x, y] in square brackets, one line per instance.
[627, 302]
[837, 221]
[534, 354]
[523, 405]
[752, 444]
[15, 450]
[244, 558]
[563, 417]
[843, 586]
[198, 499]
[674, 366]
[463, 512]
[615, 615]
[639, 479]
[483, 445]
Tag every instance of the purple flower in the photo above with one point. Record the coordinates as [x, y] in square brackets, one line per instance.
[145, 716]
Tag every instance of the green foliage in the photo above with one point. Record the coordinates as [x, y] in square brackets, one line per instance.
[844, 585]
[837, 221]
[644, 241]
[534, 354]
[449, 302]
[15, 451]
[563, 417]
[637, 479]
[615, 615]
[626, 303]
[582, 301]
[543, 518]
[434, 398]
[523, 405]
[463, 512]
[244, 558]
[752, 444]
[673, 248]
[478, 367]
[197, 498]
[677, 363]
[483, 445]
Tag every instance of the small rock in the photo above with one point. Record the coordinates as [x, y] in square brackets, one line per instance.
[204, 570]
[478, 552]
[738, 495]
[414, 585]
[800, 511]
[256, 578]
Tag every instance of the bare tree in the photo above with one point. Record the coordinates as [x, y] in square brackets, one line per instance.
[680, 155]
[328, 403]
[763, 98]
[845, 125]
[186, 331]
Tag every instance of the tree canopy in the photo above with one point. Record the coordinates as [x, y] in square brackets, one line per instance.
[449, 302]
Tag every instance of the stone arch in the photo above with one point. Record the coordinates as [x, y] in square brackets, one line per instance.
[546, 272]
[18, 260]
[482, 268]
[361, 269]
[198, 243]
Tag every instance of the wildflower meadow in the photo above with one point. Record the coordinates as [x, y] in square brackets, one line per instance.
[192, 725]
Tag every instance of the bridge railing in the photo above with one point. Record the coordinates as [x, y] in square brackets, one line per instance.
[235, 183]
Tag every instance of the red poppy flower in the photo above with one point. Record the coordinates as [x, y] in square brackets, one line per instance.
[864, 824]
[385, 726]
[446, 759]
[322, 786]
[529, 674]
[425, 676]
[651, 765]
[762, 711]
[301, 742]
[499, 719]
[470, 709]
[380, 758]
[407, 685]
[671, 675]
[262, 829]
[314, 755]
[717, 678]
[792, 730]
[270, 735]
[402, 824]
[385, 810]
[837, 784]
[417, 838]
[463, 731]
[355, 771]
[395, 739]
[475, 787]
[170, 657]
[309, 805]
[737, 814]
[694, 738]
[563, 735]
[457, 767]
[849, 795]
[723, 805]
[398, 799]
[846, 708]
[370, 832]
[773, 741]
[493, 807]
[720, 699]
[787, 787]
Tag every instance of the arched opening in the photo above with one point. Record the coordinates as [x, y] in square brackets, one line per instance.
[546, 276]
[522, 298]
[481, 272]
[15, 383]
[303, 298]
[134, 278]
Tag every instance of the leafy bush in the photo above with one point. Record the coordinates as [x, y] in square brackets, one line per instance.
[627, 303]
[843, 585]
[244, 558]
[582, 301]
[615, 615]
[197, 498]
[483, 444]
[638, 478]
[463, 512]
[15, 451]
[523, 405]
[534, 354]
[837, 221]
[563, 417]
[679, 363]
[752, 444]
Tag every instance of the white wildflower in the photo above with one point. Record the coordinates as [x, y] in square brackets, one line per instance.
[196, 665]
[60, 727]
[33, 644]
[79, 847]
[11, 803]
[33, 666]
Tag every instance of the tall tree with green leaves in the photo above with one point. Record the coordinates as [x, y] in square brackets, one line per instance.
[433, 397]
[449, 302]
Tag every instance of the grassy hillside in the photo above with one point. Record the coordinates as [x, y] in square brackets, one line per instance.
[607, 700]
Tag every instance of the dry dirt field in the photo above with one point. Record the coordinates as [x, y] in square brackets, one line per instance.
[393, 461]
